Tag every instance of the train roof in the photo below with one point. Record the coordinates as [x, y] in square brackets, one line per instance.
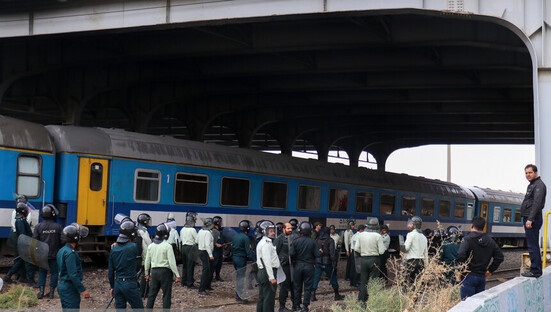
[497, 196]
[15, 133]
[120, 143]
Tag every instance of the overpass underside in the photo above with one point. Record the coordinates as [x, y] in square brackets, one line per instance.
[330, 78]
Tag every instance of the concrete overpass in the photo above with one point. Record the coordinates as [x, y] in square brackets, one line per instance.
[355, 76]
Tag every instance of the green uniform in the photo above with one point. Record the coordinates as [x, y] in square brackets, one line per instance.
[160, 265]
[70, 275]
[122, 275]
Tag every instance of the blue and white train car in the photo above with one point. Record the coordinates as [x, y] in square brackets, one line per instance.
[502, 213]
[102, 172]
[27, 160]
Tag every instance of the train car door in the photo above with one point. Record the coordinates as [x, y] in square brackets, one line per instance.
[484, 214]
[92, 191]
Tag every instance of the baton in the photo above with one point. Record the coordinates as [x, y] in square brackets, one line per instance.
[108, 304]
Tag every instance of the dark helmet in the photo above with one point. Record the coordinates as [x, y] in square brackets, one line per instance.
[207, 223]
[332, 227]
[127, 231]
[21, 198]
[144, 219]
[161, 232]
[74, 232]
[372, 224]
[217, 220]
[294, 223]
[453, 233]
[49, 212]
[384, 227]
[191, 218]
[279, 227]
[417, 222]
[350, 223]
[21, 210]
[245, 226]
[305, 228]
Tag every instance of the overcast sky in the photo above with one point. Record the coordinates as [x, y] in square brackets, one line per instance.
[499, 167]
[493, 166]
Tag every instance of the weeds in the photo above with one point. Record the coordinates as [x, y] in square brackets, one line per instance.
[18, 297]
[432, 291]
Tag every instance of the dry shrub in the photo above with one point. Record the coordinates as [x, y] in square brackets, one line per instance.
[432, 291]
[18, 297]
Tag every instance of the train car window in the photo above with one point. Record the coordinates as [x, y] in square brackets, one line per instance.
[427, 207]
[507, 214]
[517, 216]
[309, 197]
[338, 200]
[235, 192]
[459, 211]
[274, 195]
[147, 185]
[96, 176]
[364, 202]
[444, 209]
[387, 204]
[191, 188]
[29, 175]
[470, 211]
[408, 205]
[497, 214]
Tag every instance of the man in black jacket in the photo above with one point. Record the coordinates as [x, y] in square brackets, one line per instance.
[480, 249]
[326, 262]
[531, 212]
[304, 252]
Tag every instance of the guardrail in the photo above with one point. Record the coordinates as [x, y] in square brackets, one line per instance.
[545, 237]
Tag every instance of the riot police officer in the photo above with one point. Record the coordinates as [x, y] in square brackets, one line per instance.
[415, 248]
[241, 252]
[304, 252]
[70, 269]
[369, 246]
[268, 263]
[22, 228]
[294, 225]
[349, 254]
[122, 275]
[143, 241]
[218, 251]
[173, 237]
[188, 235]
[205, 242]
[160, 267]
[49, 232]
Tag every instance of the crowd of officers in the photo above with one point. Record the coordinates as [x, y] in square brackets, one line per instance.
[292, 255]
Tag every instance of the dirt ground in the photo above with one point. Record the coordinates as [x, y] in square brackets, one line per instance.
[222, 298]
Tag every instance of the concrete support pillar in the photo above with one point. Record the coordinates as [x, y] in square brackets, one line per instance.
[542, 115]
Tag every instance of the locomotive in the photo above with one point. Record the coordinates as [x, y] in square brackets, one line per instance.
[92, 174]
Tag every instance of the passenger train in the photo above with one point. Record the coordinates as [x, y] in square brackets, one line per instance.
[91, 174]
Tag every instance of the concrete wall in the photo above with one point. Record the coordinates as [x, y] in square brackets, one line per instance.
[519, 294]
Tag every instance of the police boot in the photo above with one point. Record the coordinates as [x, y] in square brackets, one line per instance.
[40, 294]
[51, 293]
[8, 279]
[338, 296]
[313, 298]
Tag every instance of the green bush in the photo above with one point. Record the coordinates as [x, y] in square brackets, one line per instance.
[18, 297]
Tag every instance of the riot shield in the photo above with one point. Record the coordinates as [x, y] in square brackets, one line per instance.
[33, 251]
[281, 277]
[246, 281]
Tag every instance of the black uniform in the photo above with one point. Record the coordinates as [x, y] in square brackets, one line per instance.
[282, 243]
[218, 252]
[49, 232]
[304, 252]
